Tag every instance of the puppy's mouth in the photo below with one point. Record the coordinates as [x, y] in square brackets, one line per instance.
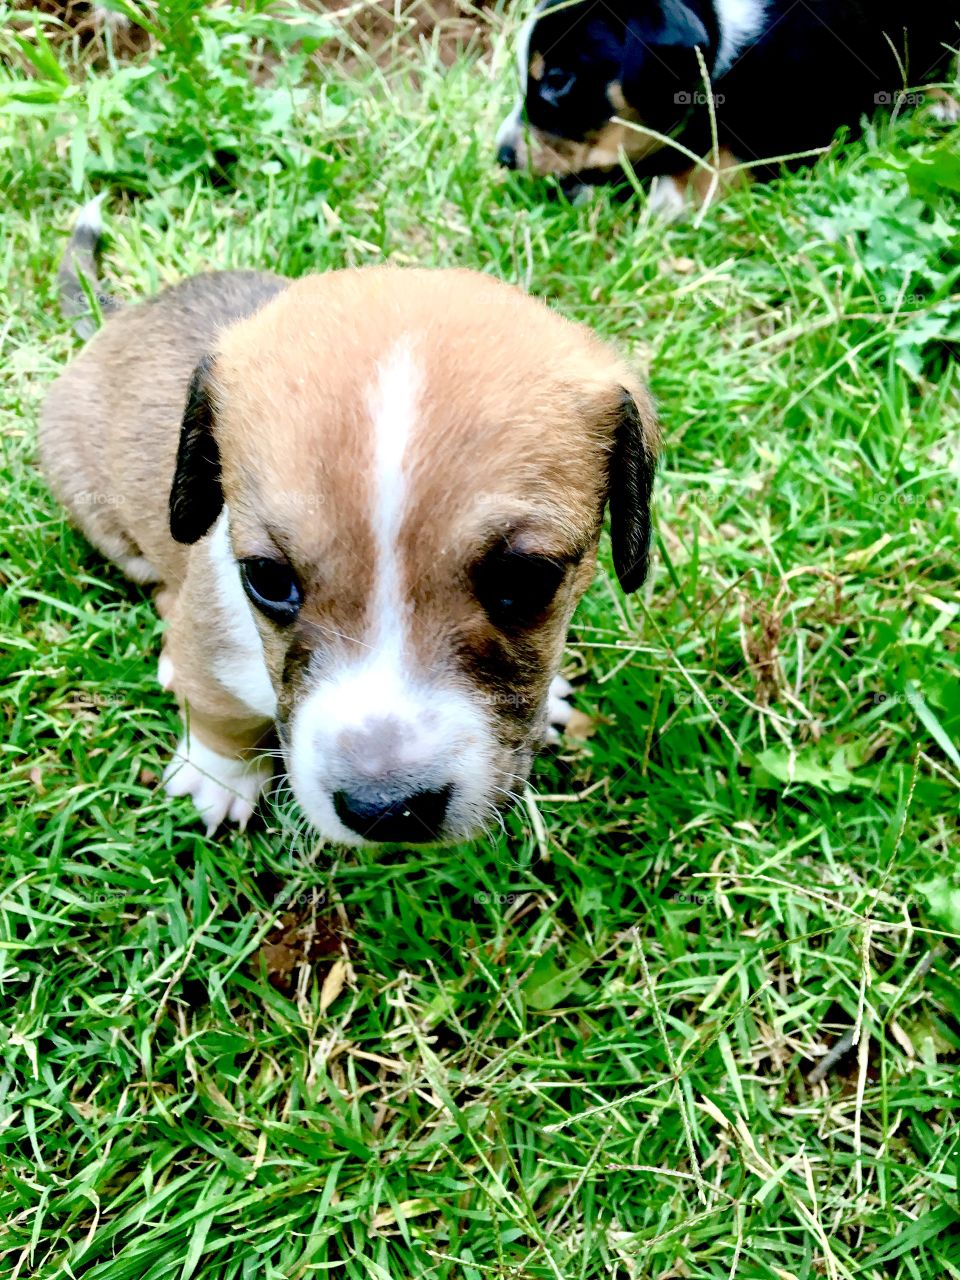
[388, 811]
[372, 761]
[601, 151]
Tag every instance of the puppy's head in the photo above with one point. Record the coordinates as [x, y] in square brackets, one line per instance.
[414, 467]
[583, 64]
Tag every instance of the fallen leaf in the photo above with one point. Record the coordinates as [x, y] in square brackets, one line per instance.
[944, 902]
[408, 1208]
[809, 766]
[902, 1039]
[580, 726]
[547, 985]
[333, 984]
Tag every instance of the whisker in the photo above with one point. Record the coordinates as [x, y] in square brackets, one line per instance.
[340, 635]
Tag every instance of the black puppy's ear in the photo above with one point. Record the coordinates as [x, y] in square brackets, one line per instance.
[660, 66]
[632, 466]
[196, 496]
[682, 28]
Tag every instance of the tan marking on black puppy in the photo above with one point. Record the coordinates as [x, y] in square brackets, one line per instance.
[386, 489]
[604, 148]
[672, 196]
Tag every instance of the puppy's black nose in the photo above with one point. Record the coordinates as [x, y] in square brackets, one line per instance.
[507, 156]
[415, 819]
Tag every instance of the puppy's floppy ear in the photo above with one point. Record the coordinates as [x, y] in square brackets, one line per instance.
[632, 466]
[196, 496]
[682, 28]
[659, 63]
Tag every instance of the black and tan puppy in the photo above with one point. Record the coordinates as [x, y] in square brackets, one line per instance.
[370, 501]
[601, 80]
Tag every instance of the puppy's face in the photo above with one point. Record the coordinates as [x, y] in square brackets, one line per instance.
[581, 66]
[414, 467]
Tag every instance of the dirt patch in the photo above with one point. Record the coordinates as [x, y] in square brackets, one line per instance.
[83, 23]
[383, 31]
[301, 938]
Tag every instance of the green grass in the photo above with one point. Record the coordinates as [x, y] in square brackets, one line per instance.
[583, 1050]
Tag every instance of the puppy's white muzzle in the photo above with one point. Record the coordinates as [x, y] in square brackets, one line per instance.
[375, 756]
[510, 144]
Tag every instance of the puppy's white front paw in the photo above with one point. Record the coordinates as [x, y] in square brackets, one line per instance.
[223, 788]
[945, 109]
[559, 709]
[667, 200]
[165, 672]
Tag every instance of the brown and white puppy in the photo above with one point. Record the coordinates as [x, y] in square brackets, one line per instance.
[370, 500]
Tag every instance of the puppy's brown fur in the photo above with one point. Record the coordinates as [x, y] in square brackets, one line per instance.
[516, 432]
[108, 443]
[525, 426]
[110, 424]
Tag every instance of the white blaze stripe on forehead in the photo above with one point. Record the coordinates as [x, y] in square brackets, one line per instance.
[375, 719]
[741, 21]
[392, 404]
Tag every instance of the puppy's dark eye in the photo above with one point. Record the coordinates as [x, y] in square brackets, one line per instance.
[515, 589]
[273, 587]
[557, 82]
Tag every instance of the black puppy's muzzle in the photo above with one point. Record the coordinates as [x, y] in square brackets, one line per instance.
[507, 156]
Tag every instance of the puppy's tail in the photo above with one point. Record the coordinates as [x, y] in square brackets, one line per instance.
[78, 280]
